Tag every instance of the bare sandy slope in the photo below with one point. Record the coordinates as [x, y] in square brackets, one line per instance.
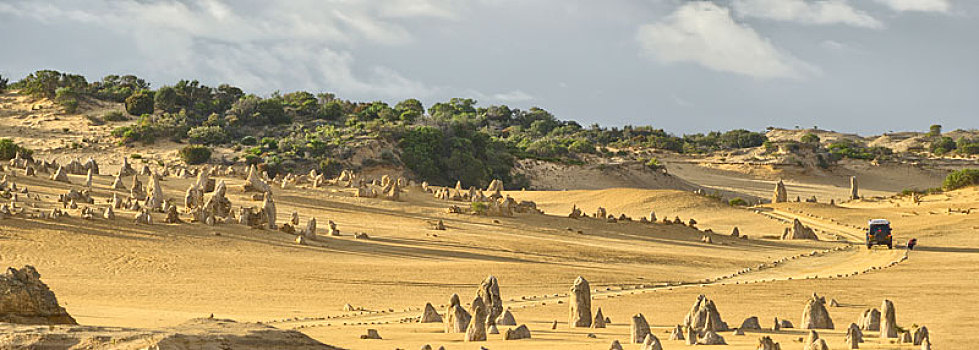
[709, 213]
[758, 181]
[119, 274]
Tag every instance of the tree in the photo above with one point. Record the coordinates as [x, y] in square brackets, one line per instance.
[45, 83]
[421, 149]
[140, 102]
[3, 84]
[272, 111]
[165, 99]
[301, 104]
[9, 150]
[810, 138]
[410, 104]
[935, 130]
[331, 110]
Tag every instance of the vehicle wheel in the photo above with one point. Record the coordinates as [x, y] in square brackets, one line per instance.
[869, 246]
[890, 246]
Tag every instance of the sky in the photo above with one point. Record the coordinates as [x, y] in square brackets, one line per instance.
[864, 66]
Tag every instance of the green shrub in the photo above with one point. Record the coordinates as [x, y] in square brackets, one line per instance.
[582, 146]
[809, 138]
[252, 159]
[934, 131]
[208, 135]
[249, 141]
[45, 83]
[737, 202]
[114, 116]
[136, 156]
[3, 84]
[9, 150]
[195, 154]
[942, 145]
[140, 102]
[961, 178]
[126, 134]
[654, 164]
[68, 98]
[479, 208]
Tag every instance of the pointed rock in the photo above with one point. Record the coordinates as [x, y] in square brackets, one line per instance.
[920, 335]
[651, 343]
[580, 303]
[780, 195]
[456, 317]
[870, 320]
[489, 292]
[639, 329]
[888, 321]
[815, 315]
[599, 321]
[60, 175]
[506, 319]
[677, 333]
[854, 190]
[476, 331]
[429, 315]
[766, 343]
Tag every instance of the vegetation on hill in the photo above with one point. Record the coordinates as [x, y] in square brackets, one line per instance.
[451, 140]
[961, 178]
[9, 150]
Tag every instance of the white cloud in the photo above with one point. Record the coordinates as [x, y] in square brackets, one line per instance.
[706, 34]
[258, 45]
[807, 12]
[918, 5]
[513, 96]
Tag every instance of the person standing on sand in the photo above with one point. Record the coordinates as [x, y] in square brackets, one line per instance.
[911, 243]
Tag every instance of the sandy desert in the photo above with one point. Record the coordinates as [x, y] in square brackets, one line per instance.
[397, 245]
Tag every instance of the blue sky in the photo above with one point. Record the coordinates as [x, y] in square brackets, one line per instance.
[865, 66]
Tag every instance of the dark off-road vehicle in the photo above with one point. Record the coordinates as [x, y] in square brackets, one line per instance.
[879, 233]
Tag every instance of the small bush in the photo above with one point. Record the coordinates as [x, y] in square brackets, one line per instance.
[961, 178]
[809, 138]
[67, 98]
[3, 84]
[208, 135]
[942, 145]
[654, 164]
[94, 120]
[249, 141]
[9, 150]
[479, 208]
[738, 202]
[195, 154]
[136, 156]
[114, 116]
